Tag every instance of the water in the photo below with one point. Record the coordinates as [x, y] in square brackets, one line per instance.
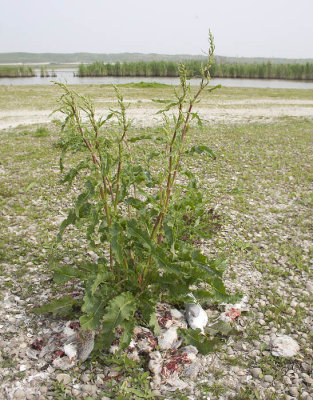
[68, 75]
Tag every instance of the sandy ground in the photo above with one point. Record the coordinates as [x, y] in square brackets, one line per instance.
[245, 110]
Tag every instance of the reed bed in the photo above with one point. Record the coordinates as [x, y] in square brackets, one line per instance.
[8, 71]
[170, 69]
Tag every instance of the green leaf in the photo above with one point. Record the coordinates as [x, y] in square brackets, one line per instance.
[141, 137]
[65, 273]
[120, 309]
[136, 203]
[57, 306]
[93, 308]
[196, 116]
[154, 324]
[201, 149]
[116, 233]
[201, 342]
[30, 186]
[221, 327]
[101, 277]
[70, 220]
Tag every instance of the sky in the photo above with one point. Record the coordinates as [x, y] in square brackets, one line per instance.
[243, 28]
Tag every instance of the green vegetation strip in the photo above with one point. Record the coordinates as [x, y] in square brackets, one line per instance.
[217, 70]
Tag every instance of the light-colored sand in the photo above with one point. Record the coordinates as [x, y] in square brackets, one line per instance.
[246, 110]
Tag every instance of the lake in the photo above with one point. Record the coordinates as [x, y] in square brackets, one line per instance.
[68, 75]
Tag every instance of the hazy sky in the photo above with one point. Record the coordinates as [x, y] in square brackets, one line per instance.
[268, 28]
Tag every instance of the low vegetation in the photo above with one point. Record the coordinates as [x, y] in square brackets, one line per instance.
[8, 71]
[217, 70]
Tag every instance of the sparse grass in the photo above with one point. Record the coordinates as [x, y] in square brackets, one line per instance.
[266, 214]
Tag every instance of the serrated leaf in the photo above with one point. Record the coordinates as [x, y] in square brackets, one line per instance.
[221, 327]
[101, 277]
[65, 273]
[70, 220]
[201, 149]
[136, 203]
[116, 233]
[154, 324]
[57, 306]
[137, 138]
[93, 308]
[201, 342]
[121, 308]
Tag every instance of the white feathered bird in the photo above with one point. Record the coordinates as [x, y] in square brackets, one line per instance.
[196, 316]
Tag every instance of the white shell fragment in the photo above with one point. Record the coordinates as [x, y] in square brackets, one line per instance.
[196, 317]
[284, 346]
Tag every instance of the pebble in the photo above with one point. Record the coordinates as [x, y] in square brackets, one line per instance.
[91, 389]
[268, 378]
[256, 372]
[85, 378]
[293, 390]
[308, 380]
[19, 394]
[76, 392]
[287, 380]
[63, 378]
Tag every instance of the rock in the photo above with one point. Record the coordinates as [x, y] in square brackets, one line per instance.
[19, 394]
[256, 372]
[175, 384]
[308, 380]
[284, 346]
[63, 378]
[191, 371]
[287, 380]
[85, 378]
[309, 286]
[268, 378]
[63, 363]
[90, 389]
[76, 392]
[293, 390]
[196, 317]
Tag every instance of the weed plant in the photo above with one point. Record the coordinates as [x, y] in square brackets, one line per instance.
[139, 214]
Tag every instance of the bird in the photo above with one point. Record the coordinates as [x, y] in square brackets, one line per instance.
[196, 316]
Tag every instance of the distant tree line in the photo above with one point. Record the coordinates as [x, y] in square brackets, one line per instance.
[9, 71]
[218, 70]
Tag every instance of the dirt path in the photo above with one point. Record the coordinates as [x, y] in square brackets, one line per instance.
[241, 111]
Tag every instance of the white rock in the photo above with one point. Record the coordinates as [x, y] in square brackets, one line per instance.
[23, 367]
[63, 363]
[63, 378]
[284, 346]
[196, 316]
[175, 383]
[167, 338]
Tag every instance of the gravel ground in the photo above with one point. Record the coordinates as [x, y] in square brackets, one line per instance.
[261, 183]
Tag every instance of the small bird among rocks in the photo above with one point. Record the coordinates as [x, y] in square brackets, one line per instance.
[196, 316]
